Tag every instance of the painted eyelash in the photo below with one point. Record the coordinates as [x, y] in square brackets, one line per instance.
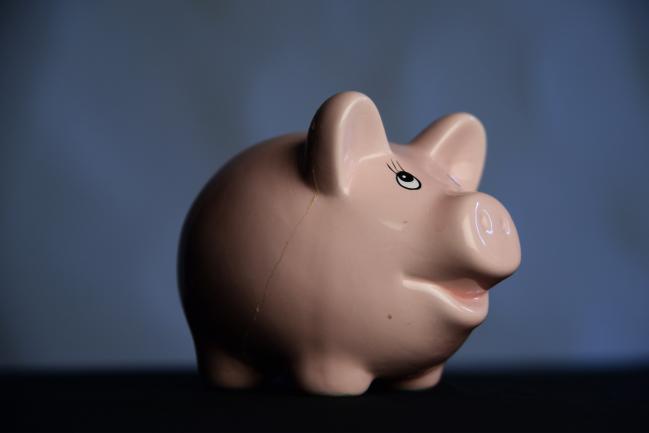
[396, 169]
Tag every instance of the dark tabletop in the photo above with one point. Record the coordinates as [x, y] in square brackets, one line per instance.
[177, 400]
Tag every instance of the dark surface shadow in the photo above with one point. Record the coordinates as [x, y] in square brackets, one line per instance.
[177, 400]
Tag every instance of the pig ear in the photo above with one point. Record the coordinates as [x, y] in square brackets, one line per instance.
[345, 130]
[458, 143]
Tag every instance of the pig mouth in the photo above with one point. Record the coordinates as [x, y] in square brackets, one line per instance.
[465, 300]
[466, 290]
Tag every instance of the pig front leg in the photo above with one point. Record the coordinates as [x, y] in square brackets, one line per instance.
[332, 376]
[422, 380]
[223, 369]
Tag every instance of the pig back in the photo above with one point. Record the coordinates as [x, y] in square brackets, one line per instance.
[234, 236]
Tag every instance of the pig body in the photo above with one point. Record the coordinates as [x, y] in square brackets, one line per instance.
[342, 257]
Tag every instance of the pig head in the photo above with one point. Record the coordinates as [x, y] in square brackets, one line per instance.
[342, 256]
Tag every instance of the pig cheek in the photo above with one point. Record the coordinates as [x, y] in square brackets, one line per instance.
[405, 220]
[422, 250]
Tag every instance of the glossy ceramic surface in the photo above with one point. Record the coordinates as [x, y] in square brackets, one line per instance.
[340, 257]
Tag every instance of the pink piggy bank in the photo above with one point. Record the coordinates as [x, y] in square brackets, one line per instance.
[340, 257]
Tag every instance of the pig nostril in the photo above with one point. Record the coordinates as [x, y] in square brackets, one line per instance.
[486, 222]
[491, 250]
[483, 222]
[504, 224]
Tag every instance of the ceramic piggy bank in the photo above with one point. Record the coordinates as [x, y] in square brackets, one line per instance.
[339, 257]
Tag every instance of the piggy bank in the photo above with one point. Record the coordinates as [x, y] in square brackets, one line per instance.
[339, 257]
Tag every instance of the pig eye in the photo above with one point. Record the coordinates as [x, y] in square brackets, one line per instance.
[407, 180]
[404, 179]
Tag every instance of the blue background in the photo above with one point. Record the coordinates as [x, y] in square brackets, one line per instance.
[114, 114]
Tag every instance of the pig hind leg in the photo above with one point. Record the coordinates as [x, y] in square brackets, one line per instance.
[422, 380]
[332, 376]
[223, 369]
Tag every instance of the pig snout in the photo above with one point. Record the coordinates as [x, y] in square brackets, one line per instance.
[483, 237]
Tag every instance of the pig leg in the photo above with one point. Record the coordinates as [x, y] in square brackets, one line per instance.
[333, 376]
[223, 369]
[422, 380]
